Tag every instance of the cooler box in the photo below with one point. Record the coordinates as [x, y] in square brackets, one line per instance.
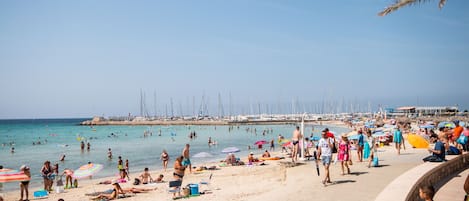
[194, 189]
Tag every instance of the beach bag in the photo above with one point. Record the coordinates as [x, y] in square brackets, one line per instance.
[375, 161]
[462, 139]
[453, 151]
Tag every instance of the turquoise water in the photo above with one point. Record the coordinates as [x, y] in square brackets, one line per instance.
[127, 141]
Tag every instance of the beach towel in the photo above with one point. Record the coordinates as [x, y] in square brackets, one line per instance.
[366, 151]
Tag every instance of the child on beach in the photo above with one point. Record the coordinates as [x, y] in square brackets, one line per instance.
[426, 192]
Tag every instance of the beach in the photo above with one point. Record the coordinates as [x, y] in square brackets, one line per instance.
[274, 181]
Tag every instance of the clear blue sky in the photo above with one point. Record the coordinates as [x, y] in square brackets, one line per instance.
[85, 58]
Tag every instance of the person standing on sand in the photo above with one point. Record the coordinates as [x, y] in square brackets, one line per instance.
[25, 184]
[165, 158]
[120, 167]
[272, 145]
[361, 143]
[179, 168]
[126, 169]
[296, 144]
[186, 162]
[46, 173]
[325, 145]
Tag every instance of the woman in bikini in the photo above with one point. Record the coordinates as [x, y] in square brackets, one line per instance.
[46, 173]
[179, 168]
[165, 158]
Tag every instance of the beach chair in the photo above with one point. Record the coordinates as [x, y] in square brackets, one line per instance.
[175, 187]
[207, 183]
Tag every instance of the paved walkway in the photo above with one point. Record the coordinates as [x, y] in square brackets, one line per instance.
[453, 189]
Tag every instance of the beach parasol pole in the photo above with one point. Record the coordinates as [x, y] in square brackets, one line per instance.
[302, 137]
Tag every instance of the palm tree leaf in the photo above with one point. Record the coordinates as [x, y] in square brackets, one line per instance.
[396, 6]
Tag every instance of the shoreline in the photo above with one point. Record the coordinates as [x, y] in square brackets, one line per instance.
[203, 122]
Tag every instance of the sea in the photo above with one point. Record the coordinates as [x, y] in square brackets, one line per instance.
[37, 140]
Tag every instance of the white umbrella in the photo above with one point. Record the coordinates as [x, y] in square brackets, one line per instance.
[202, 155]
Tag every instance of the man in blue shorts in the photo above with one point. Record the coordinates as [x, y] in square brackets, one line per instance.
[325, 145]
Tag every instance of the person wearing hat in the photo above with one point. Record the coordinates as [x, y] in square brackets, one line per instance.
[25, 184]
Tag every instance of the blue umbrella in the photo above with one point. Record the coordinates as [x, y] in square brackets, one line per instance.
[230, 150]
[379, 134]
[202, 155]
[353, 137]
[315, 138]
[427, 126]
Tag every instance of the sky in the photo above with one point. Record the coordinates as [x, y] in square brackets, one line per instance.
[61, 59]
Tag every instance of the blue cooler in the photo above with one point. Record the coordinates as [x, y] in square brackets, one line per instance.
[194, 189]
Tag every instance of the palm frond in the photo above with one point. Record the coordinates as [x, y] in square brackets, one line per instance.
[396, 6]
[441, 4]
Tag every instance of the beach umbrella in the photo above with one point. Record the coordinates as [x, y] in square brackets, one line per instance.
[286, 144]
[315, 138]
[379, 134]
[87, 170]
[202, 155]
[9, 175]
[230, 150]
[353, 137]
[427, 126]
[260, 142]
[446, 124]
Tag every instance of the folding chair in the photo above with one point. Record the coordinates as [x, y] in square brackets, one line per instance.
[175, 187]
[207, 183]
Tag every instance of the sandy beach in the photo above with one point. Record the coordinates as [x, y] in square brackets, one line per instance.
[275, 181]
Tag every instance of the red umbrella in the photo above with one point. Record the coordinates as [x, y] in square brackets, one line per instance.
[260, 142]
[9, 175]
[286, 144]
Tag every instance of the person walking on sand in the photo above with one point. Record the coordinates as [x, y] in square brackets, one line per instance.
[25, 184]
[370, 140]
[397, 139]
[325, 145]
[165, 159]
[296, 144]
[344, 154]
[186, 162]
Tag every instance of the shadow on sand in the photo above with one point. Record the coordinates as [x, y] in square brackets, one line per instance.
[342, 182]
[358, 173]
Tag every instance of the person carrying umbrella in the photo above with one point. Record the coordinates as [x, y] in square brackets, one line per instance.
[25, 184]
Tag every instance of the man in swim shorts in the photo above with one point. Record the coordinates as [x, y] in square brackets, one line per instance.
[186, 161]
